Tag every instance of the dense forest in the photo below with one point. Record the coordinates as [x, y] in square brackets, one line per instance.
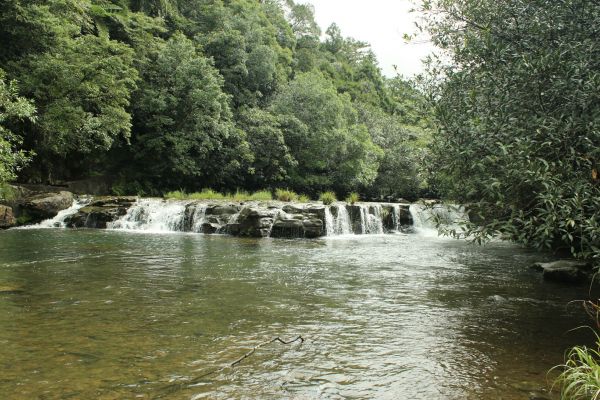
[158, 95]
[516, 91]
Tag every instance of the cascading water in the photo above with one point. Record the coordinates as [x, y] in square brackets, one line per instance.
[339, 224]
[396, 217]
[152, 215]
[59, 220]
[426, 218]
[370, 219]
[198, 218]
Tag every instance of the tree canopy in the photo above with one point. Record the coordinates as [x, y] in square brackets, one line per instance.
[163, 95]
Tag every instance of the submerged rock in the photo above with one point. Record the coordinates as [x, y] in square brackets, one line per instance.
[566, 271]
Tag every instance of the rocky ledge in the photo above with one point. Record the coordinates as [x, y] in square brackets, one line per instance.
[565, 271]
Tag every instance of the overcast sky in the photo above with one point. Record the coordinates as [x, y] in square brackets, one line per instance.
[382, 23]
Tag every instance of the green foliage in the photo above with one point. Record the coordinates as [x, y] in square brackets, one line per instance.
[519, 118]
[181, 112]
[580, 379]
[209, 194]
[353, 198]
[303, 199]
[286, 195]
[328, 198]
[13, 110]
[271, 156]
[157, 95]
[321, 131]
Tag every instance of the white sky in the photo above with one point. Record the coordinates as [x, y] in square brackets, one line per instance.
[382, 23]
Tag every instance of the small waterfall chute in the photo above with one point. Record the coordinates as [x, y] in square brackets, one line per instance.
[198, 218]
[153, 215]
[338, 223]
[59, 220]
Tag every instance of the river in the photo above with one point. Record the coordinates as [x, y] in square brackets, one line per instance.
[92, 314]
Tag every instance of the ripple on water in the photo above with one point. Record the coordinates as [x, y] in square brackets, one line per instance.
[121, 314]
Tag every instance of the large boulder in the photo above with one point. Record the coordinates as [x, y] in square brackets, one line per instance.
[100, 212]
[565, 271]
[255, 221]
[7, 219]
[44, 205]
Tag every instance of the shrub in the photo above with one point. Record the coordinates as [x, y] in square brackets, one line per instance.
[176, 195]
[286, 195]
[261, 195]
[327, 198]
[580, 378]
[353, 198]
[303, 198]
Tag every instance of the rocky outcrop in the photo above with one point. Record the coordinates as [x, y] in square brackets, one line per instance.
[100, 212]
[565, 271]
[7, 219]
[43, 206]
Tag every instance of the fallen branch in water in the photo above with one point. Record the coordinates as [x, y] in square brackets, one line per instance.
[178, 386]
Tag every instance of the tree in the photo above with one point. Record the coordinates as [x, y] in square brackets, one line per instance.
[182, 115]
[272, 160]
[320, 128]
[519, 115]
[13, 109]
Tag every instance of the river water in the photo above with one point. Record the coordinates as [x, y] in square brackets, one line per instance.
[91, 314]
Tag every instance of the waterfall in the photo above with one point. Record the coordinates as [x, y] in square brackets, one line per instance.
[59, 220]
[396, 217]
[198, 218]
[370, 219]
[154, 215]
[426, 218]
[339, 224]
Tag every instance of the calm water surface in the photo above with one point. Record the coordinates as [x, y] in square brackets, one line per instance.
[88, 314]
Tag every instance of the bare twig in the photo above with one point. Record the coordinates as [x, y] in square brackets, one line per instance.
[198, 379]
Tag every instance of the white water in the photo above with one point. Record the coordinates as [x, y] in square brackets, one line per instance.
[152, 215]
[396, 217]
[198, 218]
[59, 220]
[339, 224]
[426, 218]
[371, 223]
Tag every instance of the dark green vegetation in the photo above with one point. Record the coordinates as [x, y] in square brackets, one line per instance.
[155, 96]
[518, 112]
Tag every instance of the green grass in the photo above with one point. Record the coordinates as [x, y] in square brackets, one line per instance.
[327, 198]
[209, 194]
[353, 198]
[580, 379]
[286, 195]
[303, 198]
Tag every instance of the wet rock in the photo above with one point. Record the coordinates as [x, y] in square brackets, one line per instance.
[293, 209]
[209, 228]
[100, 212]
[313, 227]
[220, 209]
[565, 271]
[288, 225]
[7, 219]
[255, 221]
[45, 205]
